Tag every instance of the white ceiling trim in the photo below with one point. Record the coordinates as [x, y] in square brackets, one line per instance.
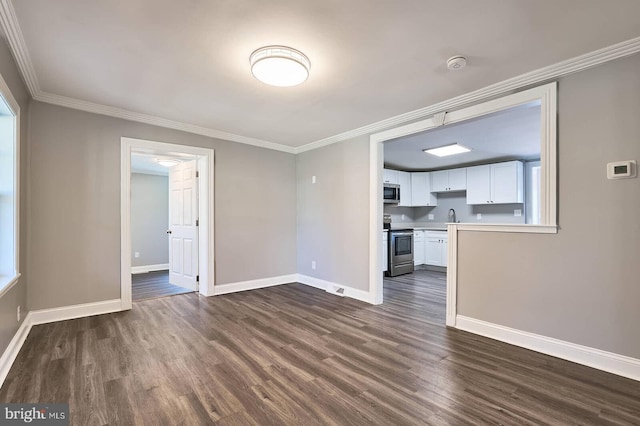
[541, 75]
[156, 121]
[11, 27]
[12, 30]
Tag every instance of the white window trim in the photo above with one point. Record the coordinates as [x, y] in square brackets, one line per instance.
[547, 95]
[8, 281]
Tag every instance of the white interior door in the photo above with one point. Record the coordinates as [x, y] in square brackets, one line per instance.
[183, 229]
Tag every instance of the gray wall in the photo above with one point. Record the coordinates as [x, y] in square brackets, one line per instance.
[497, 213]
[400, 215]
[581, 285]
[75, 206]
[18, 294]
[149, 219]
[333, 214]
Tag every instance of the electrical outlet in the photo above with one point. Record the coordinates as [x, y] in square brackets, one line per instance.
[18, 313]
[313, 179]
[430, 216]
[402, 217]
[479, 216]
[517, 212]
[136, 254]
[313, 264]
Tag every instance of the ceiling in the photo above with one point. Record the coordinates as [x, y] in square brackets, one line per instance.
[189, 61]
[145, 162]
[506, 135]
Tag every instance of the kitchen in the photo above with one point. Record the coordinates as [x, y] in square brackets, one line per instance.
[485, 170]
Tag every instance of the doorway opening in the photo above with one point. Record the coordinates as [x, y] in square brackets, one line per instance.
[164, 209]
[486, 182]
[501, 178]
[167, 220]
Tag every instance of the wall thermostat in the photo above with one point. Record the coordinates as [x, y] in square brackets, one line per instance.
[622, 169]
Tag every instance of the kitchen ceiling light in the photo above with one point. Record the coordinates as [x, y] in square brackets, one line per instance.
[443, 151]
[167, 162]
[279, 66]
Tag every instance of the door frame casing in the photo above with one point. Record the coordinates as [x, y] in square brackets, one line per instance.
[547, 96]
[206, 253]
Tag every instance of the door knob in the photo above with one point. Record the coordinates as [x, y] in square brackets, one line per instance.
[168, 231]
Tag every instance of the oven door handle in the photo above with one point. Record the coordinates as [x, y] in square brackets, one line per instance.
[401, 234]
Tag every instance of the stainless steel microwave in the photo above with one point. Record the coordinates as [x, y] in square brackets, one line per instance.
[391, 193]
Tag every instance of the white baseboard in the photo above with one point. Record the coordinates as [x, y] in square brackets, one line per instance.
[607, 361]
[334, 288]
[253, 284]
[149, 268]
[44, 316]
[11, 352]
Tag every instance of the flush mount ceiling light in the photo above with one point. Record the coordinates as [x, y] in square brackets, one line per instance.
[443, 151]
[167, 162]
[279, 66]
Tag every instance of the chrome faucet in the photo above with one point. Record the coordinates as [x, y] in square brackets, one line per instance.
[451, 216]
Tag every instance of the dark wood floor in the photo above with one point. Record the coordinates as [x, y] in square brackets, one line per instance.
[153, 284]
[296, 355]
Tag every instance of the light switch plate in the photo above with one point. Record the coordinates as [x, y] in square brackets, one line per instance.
[479, 216]
[517, 212]
[313, 179]
[430, 216]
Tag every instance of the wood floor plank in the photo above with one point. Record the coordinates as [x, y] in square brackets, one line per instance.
[294, 355]
[152, 285]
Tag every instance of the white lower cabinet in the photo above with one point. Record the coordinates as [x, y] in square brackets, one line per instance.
[418, 248]
[436, 245]
[385, 251]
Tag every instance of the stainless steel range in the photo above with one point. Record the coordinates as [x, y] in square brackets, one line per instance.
[400, 252]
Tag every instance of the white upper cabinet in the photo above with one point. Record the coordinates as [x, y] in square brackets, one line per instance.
[439, 181]
[421, 190]
[457, 179]
[449, 180]
[507, 182]
[404, 179]
[479, 184]
[500, 183]
[390, 176]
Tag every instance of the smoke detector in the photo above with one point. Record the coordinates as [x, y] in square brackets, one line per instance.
[456, 63]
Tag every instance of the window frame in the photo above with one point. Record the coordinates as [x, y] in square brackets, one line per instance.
[7, 282]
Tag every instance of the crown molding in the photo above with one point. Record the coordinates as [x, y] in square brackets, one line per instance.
[156, 121]
[11, 27]
[12, 31]
[538, 76]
